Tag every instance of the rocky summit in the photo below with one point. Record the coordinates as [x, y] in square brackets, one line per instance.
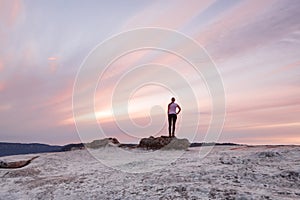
[164, 143]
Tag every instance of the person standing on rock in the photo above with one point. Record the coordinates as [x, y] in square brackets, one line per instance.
[172, 116]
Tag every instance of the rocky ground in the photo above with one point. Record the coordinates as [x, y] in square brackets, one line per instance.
[228, 172]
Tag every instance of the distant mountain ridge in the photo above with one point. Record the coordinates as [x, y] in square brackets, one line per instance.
[8, 149]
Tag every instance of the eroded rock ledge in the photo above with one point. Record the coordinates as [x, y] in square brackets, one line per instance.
[102, 143]
[16, 164]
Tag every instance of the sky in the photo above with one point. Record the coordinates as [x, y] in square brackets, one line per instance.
[254, 45]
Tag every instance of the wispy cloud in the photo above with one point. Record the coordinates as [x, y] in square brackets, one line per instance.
[167, 14]
[10, 12]
[254, 44]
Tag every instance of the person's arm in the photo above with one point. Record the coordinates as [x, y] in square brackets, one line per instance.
[179, 109]
[168, 108]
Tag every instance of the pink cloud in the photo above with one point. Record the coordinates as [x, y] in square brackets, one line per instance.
[52, 58]
[260, 137]
[1, 66]
[167, 15]
[10, 11]
[234, 18]
[265, 111]
[287, 67]
[60, 103]
[1, 86]
[53, 64]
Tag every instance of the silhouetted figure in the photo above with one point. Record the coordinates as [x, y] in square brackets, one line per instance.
[172, 116]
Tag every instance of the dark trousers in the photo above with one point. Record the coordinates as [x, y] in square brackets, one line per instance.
[172, 121]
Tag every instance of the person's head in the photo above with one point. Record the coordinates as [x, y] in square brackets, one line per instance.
[173, 99]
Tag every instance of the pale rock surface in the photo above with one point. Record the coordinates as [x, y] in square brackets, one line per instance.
[227, 172]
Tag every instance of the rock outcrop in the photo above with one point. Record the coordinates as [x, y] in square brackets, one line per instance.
[72, 147]
[102, 143]
[17, 164]
[164, 143]
[178, 144]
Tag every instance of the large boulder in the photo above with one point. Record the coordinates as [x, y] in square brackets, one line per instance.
[178, 144]
[102, 143]
[164, 143]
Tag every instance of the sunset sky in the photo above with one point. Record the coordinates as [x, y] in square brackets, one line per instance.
[254, 44]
